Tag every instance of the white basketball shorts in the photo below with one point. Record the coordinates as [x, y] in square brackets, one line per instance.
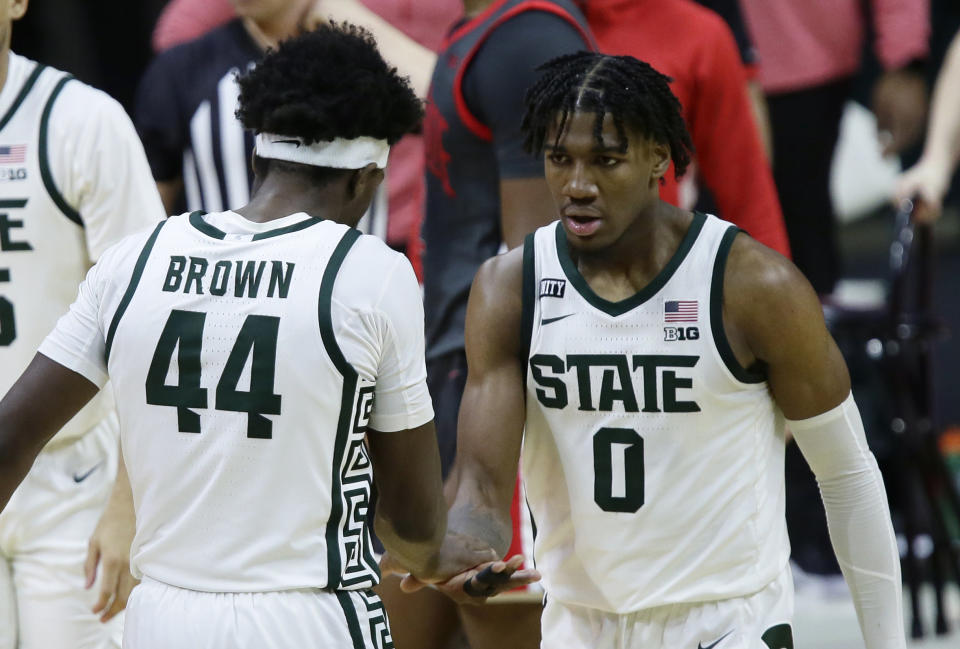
[758, 621]
[44, 532]
[160, 616]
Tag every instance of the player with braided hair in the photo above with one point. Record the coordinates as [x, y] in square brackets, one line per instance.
[629, 90]
[647, 358]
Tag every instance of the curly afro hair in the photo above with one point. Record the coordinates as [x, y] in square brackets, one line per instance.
[630, 90]
[328, 83]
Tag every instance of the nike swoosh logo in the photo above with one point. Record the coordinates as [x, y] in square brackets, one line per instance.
[547, 321]
[80, 477]
[297, 142]
[715, 642]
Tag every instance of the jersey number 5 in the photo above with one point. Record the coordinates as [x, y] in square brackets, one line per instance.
[184, 333]
[618, 470]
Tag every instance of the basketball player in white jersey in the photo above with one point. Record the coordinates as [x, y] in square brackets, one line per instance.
[267, 365]
[648, 358]
[73, 180]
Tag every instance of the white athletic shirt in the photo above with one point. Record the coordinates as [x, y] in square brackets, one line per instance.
[653, 462]
[73, 180]
[247, 361]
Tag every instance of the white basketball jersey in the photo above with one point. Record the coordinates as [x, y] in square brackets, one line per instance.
[244, 362]
[43, 252]
[653, 462]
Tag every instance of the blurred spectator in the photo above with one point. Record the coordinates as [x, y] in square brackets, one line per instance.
[483, 189]
[731, 13]
[186, 103]
[929, 179]
[695, 47]
[185, 20]
[809, 53]
[407, 32]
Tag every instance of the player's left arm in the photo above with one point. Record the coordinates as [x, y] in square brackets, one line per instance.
[772, 314]
[99, 167]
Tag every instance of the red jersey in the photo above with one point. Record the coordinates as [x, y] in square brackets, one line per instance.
[695, 47]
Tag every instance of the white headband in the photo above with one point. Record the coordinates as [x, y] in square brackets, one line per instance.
[339, 153]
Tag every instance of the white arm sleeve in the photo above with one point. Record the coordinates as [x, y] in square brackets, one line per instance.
[401, 400]
[99, 167]
[858, 517]
[77, 341]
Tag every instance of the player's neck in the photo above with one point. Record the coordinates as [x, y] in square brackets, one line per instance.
[644, 248]
[473, 7]
[277, 197]
[4, 64]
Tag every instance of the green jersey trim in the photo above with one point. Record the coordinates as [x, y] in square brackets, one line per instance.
[644, 294]
[345, 421]
[353, 622]
[131, 287]
[527, 298]
[45, 174]
[24, 91]
[296, 227]
[196, 220]
[741, 373]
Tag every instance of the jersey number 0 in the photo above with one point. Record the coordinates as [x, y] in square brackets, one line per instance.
[184, 333]
[618, 470]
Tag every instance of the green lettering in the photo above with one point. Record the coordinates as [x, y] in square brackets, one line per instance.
[221, 275]
[198, 268]
[7, 244]
[649, 365]
[558, 399]
[279, 280]
[174, 273]
[248, 278]
[624, 394]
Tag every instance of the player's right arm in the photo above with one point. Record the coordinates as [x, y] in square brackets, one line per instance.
[489, 431]
[493, 408]
[65, 374]
[45, 397]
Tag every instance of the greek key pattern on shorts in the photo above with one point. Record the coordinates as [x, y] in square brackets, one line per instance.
[377, 618]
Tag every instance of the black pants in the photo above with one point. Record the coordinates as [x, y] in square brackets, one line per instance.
[805, 126]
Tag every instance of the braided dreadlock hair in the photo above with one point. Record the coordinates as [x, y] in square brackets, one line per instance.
[631, 91]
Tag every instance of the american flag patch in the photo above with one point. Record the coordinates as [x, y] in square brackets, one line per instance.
[13, 154]
[680, 311]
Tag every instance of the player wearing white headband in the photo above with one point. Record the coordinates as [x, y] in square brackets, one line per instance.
[268, 366]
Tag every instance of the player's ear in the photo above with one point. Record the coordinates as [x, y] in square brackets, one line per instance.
[365, 181]
[17, 9]
[661, 160]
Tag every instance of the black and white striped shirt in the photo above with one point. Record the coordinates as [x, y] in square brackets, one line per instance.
[186, 116]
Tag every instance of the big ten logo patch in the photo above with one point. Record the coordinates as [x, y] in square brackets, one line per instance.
[552, 287]
[364, 408]
[671, 334]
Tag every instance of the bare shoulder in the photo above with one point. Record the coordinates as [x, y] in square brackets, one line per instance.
[766, 296]
[495, 306]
